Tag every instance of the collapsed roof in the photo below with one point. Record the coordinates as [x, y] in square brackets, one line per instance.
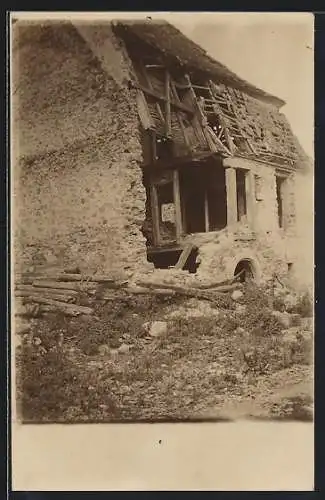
[174, 44]
[237, 117]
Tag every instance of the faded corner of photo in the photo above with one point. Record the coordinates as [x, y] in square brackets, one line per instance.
[162, 222]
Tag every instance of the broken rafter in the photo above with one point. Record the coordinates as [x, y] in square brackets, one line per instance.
[215, 143]
[179, 117]
[148, 81]
[174, 104]
[219, 115]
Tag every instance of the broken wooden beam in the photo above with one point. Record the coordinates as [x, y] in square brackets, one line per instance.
[184, 256]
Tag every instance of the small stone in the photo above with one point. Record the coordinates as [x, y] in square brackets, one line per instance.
[236, 295]
[37, 341]
[124, 348]
[240, 331]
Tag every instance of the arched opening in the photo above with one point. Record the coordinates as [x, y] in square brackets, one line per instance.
[245, 270]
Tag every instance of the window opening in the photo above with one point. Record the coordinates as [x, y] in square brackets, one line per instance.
[280, 186]
[203, 198]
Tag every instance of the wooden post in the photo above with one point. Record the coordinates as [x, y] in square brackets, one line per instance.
[155, 214]
[250, 197]
[206, 212]
[231, 196]
[177, 203]
[167, 105]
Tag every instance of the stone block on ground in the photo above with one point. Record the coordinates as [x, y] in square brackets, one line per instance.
[236, 295]
[155, 328]
[124, 348]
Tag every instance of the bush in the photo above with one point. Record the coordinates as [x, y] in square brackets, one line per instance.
[304, 306]
[54, 388]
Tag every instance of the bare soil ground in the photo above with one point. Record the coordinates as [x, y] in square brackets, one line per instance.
[205, 363]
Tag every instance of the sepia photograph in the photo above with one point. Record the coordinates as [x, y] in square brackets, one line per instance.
[162, 217]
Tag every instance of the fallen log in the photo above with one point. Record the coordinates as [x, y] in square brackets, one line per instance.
[227, 288]
[181, 289]
[70, 309]
[41, 294]
[221, 283]
[66, 277]
[187, 292]
[47, 289]
[149, 291]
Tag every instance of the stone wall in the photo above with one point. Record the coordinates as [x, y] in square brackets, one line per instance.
[78, 197]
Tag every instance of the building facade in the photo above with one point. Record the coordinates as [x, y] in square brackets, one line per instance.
[133, 148]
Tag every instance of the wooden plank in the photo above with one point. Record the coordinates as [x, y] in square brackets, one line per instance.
[184, 256]
[167, 105]
[177, 202]
[155, 214]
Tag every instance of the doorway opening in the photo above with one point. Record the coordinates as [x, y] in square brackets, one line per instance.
[246, 271]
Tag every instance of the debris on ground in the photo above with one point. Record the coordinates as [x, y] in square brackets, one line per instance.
[161, 355]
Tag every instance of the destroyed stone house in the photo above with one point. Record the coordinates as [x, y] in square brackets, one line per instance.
[133, 148]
